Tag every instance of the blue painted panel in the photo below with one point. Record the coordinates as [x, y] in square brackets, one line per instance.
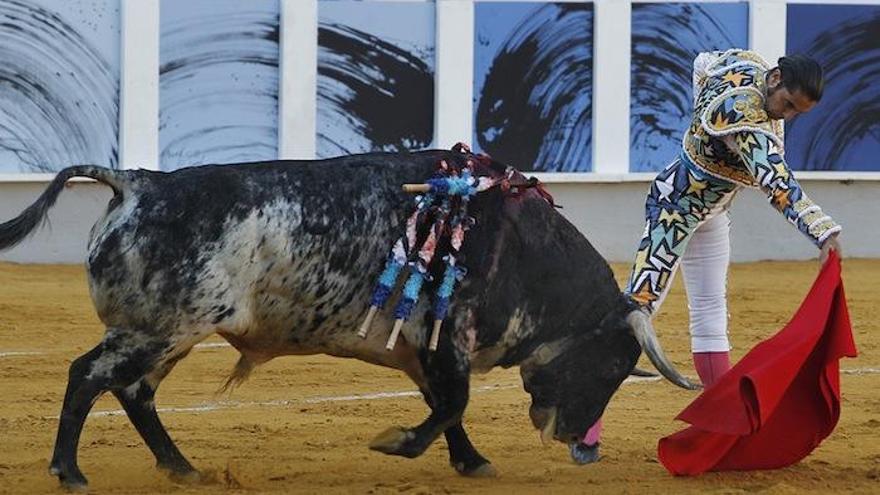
[375, 76]
[59, 84]
[533, 84]
[666, 37]
[218, 82]
[843, 131]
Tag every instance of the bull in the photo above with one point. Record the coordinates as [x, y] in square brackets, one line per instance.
[279, 258]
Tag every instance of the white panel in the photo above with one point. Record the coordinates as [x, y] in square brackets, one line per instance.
[299, 74]
[767, 20]
[139, 85]
[611, 74]
[454, 74]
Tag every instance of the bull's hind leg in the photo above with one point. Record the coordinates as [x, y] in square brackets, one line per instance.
[447, 376]
[137, 400]
[122, 358]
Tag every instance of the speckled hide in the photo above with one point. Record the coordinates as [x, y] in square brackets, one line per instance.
[280, 258]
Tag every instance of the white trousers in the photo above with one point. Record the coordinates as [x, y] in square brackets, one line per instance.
[704, 267]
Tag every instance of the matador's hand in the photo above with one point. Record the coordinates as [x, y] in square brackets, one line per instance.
[832, 243]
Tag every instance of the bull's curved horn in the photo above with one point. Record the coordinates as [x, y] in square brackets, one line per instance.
[644, 332]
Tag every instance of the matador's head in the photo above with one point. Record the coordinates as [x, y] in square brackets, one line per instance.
[794, 86]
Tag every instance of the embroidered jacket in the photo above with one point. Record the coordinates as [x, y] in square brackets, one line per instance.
[732, 137]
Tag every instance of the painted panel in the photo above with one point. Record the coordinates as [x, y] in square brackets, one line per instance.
[666, 37]
[59, 84]
[842, 132]
[218, 82]
[375, 76]
[533, 84]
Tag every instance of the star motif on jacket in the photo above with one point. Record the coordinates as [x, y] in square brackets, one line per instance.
[698, 209]
[696, 186]
[719, 120]
[708, 151]
[665, 187]
[747, 142]
[781, 171]
[644, 295]
[664, 258]
[734, 78]
[780, 199]
[670, 217]
[642, 257]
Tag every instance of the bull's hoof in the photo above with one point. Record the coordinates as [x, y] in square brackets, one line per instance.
[396, 441]
[191, 477]
[180, 471]
[485, 470]
[75, 486]
[390, 440]
[584, 454]
[71, 479]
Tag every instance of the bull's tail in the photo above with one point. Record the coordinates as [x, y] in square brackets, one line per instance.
[17, 229]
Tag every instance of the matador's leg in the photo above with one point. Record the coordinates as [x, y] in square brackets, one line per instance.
[680, 199]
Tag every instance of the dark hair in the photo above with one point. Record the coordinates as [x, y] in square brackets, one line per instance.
[802, 73]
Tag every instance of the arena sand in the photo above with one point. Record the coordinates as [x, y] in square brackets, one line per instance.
[283, 433]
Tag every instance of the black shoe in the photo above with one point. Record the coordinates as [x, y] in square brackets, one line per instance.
[582, 453]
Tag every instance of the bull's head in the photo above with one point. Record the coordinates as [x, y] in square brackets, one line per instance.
[572, 379]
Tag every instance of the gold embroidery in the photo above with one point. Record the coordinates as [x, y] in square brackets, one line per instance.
[697, 150]
[752, 109]
[820, 228]
[752, 57]
[745, 112]
[802, 204]
[812, 217]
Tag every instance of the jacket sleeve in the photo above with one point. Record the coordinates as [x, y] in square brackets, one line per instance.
[765, 162]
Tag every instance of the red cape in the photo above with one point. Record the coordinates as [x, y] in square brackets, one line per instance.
[780, 401]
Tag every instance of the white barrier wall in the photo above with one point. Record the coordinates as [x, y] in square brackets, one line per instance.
[610, 214]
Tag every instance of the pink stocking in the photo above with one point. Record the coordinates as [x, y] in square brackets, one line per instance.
[592, 436]
[711, 365]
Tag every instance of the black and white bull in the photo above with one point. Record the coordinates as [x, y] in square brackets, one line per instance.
[280, 258]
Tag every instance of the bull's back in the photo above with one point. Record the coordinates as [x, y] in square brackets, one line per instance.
[282, 246]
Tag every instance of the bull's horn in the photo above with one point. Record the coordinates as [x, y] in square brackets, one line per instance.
[644, 332]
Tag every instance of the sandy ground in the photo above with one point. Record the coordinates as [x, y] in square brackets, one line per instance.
[296, 427]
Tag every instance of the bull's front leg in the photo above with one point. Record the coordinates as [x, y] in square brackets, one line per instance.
[463, 457]
[447, 372]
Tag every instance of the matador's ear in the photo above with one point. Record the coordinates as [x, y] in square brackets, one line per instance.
[774, 77]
